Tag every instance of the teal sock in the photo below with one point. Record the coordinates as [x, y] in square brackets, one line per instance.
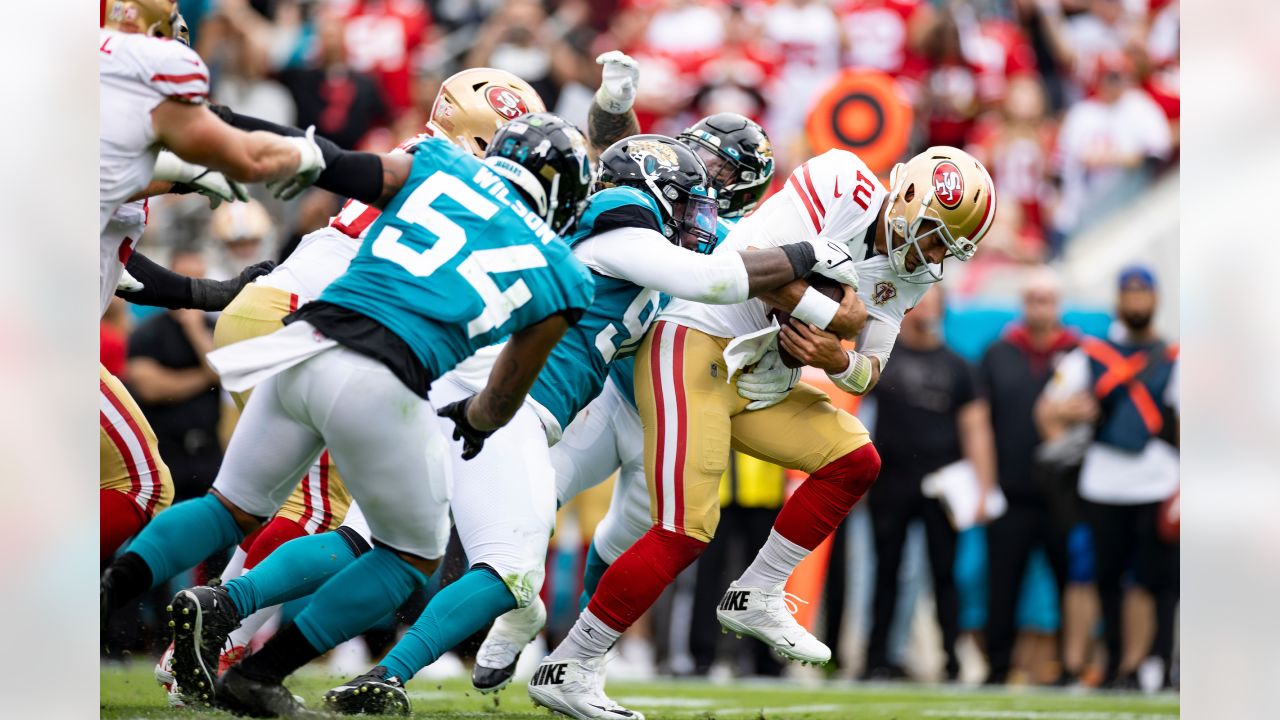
[474, 600]
[184, 535]
[591, 574]
[356, 598]
[295, 569]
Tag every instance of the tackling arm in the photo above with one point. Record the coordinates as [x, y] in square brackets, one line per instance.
[196, 135]
[514, 372]
[162, 287]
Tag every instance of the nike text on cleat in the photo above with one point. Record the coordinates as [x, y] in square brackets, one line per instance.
[511, 632]
[374, 693]
[575, 688]
[767, 616]
[201, 618]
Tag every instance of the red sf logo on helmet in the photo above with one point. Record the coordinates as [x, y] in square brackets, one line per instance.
[505, 103]
[948, 184]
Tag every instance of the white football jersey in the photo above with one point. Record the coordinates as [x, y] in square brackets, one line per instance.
[136, 73]
[834, 196]
[116, 243]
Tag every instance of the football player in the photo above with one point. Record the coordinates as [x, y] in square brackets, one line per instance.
[647, 232]
[607, 437]
[470, 106]
[151, 95]
[939, 205]
[351, 371]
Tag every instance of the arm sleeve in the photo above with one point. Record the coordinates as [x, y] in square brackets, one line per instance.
[346, 173]
[877, 340]
[161, 287]
[645, 258]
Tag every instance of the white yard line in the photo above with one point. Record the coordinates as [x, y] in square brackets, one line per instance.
[1044, 715]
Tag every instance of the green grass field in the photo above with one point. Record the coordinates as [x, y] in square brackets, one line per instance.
[130, 692]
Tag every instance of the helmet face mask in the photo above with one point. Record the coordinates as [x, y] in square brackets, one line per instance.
[675, 177]
[694, 219]
[739, 160]
[942, 199]
[546, 158]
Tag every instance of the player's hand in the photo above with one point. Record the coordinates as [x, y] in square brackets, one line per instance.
[214, 295]
[218, 188]
[472, 438]
[814, 347]
[309, 168]
[1080, 408]
[213, 185]
[618, 82]
[128, 283]
[769, 382]
[852, 316]
[834, 261]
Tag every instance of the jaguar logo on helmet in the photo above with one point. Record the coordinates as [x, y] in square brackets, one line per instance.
[505, 103]
[649, 154]
[948, 184]
[884, 291]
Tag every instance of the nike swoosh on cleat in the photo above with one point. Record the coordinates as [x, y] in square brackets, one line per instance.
[788, 642]
[623, 713]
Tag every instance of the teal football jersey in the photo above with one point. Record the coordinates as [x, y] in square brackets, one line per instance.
[456, 261]
[622, 372]
[614, 325]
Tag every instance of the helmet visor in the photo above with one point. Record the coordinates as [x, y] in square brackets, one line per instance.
[696, 222]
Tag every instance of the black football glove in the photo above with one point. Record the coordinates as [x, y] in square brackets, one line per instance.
[472, 439]
[214, 295]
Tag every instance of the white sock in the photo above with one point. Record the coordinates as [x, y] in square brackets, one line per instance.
[251, 625]
[589, 638]
[774, 563]
[235, 566]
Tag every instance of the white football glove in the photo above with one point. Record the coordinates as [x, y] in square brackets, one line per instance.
[769, 381]
[618, 82]
[213, 185]
[128, 283]
[834, 261]
[309, 167]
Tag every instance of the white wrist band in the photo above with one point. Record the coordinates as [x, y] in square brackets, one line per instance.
[815, 309]
[171, 168]
[857, 377]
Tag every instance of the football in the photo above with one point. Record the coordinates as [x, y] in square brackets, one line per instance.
[822, 284]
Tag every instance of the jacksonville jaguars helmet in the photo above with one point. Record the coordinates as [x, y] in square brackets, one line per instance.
[545, 157]
[674, 176]
[738, 156]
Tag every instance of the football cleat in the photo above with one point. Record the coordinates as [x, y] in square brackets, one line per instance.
[202, 618]
[511, 632]
[243, 695]
[575, 688]
[164, 675]
[767, 616]
[373, 693]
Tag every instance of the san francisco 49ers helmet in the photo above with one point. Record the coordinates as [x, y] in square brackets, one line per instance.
[474, 103]
[150, 17]
[943, 191]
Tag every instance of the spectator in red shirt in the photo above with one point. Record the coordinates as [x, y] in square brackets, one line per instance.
[381, 38]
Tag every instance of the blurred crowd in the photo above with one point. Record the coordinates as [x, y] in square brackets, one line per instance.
[1073, 106]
